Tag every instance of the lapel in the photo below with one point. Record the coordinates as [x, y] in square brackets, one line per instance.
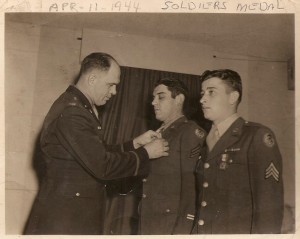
[231, 136]
[170, 130]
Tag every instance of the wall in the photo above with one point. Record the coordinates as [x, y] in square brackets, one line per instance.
[149, 52]
[21, 58]
[272, 104]
[40, 64]
[47, 60]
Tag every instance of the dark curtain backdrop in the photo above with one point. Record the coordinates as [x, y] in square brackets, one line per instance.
[127, 115]
[130, 113]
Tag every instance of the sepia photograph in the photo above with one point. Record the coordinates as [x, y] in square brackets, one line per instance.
[149, 123]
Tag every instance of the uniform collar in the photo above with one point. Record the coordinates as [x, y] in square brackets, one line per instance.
[230, 137]
[172, 123]
[225, 124]
[74, 90]
[84, 100]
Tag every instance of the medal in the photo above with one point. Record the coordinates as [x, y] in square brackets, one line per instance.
[224, 163]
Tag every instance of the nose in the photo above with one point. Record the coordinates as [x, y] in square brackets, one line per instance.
[202, 99]
[154, 101]
[113, 90]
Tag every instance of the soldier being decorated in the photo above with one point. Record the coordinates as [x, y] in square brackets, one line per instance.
[168, 201]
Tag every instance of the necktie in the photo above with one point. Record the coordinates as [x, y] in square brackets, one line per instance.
[161, 129]
[95, 111]
[212, 137]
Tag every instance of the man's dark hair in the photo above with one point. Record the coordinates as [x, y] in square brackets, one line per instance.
[231, 78]
[176, 87]
[98, 60]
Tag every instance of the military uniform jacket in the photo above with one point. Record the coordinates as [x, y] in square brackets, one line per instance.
[71, 199]
[240, 187]
[168, 202]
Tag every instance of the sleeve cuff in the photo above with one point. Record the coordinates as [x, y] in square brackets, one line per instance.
[143, 162]
[128, 146]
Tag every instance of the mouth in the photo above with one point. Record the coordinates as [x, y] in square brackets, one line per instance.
[156, 111]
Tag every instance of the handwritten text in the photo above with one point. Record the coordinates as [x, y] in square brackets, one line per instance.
[242, 6]
[115, 6]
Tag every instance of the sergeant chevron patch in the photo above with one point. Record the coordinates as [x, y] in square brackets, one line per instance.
[195, 151]
[272, 171]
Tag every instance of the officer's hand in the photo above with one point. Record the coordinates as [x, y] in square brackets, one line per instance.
[157, 148]
[145, 138]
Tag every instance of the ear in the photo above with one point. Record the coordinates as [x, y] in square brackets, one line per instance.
[234, 96]
[91, 79]
[179, 99]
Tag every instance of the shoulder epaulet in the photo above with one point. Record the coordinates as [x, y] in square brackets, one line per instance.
[258, 126]
[192, 126]
[253, 124]
[73, 101]
[190, 122]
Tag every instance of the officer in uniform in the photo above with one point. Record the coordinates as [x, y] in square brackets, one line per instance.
[168, 201]
[71, 199]
[239, 172]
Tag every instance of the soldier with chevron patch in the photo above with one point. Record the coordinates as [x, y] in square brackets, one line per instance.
[168, 201]
[239, 173]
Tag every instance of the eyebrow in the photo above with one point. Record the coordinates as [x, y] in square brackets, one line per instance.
[160, 93]
[209, 88]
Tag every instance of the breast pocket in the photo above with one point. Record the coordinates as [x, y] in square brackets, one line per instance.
[232, 171]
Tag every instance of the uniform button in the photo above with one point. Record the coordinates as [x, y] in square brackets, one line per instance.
[144, 180]
[99, 127]
[205, 184]
[168, 210]
[77, 194]
[206, 165]
[203, 204]
[200, 222]
[144, 196]
[200, 157]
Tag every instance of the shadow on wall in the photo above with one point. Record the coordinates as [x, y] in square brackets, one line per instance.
[38, 164]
